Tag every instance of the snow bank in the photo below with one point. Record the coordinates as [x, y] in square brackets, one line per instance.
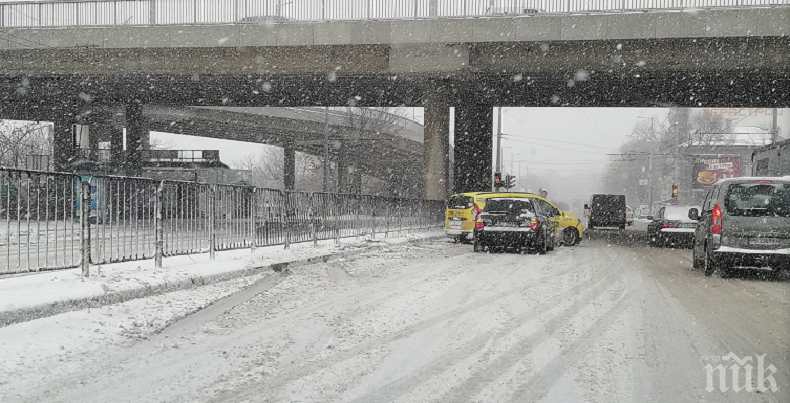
[41, 295]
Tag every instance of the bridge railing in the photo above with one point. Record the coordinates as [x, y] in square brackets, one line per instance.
[52, 221]
[78, 13]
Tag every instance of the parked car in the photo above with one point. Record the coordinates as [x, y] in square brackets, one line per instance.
[744, 224]
[606, 212]
[673, 225]
[515, 223]
[629, 215]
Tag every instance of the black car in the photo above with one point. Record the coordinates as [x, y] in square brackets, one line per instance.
[514, 223]
[606, 212]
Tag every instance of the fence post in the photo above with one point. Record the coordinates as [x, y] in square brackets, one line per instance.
[160, 242]
[387, 215]
[85, 221]
[373, 206]
[357, 229]
[212, 242]
[338, 217]
[400, 216]
[253, 218]
[152, 12]
[313, 220]
[286, 227]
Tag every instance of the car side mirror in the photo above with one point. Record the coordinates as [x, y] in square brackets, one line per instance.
[651, 218]
[694, 214]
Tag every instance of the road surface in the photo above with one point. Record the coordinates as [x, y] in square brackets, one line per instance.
[610, 320]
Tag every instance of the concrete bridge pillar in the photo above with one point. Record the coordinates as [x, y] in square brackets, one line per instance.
[63, 149]
[436, 145]
[136, 138]
[289, 168]
[473, 153]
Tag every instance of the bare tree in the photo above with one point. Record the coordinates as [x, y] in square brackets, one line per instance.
[20, 142]
[708, 128]
[268, 170]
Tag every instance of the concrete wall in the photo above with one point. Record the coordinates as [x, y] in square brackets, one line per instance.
[702, 24]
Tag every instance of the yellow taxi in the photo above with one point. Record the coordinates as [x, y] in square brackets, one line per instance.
[463, 208]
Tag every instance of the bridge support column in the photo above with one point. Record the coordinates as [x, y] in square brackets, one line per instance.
[117, 155]
[289, 168]
[63, 142]
[136, 137]
[472, 164]
[436, 145]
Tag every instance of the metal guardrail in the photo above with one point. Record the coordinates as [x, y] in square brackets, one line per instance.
[55, 220]
[57, 13]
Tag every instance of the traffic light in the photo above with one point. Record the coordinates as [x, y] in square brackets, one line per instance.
[510, 182]
[497, 180]
[674, 191]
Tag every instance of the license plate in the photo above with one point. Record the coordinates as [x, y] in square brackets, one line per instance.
[689, 225]
[506, 224]
[763, 241]
[456, 225]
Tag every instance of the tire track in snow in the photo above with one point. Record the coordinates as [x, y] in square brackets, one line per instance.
[585, 292]
[402, 386]
[315, 366]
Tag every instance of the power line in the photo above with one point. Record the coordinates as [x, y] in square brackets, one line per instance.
[557, 148]
[570, 142]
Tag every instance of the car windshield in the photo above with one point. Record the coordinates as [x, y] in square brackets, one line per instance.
[460, 202]
[758, 200]
[510, 207]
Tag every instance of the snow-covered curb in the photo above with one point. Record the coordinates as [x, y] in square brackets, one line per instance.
[42, 295]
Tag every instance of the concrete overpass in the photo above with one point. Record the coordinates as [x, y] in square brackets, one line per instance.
[720, 57]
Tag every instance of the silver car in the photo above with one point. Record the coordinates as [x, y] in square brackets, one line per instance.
[744, 224]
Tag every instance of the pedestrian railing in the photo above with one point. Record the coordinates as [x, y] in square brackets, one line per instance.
[58, 13]
[57, 220]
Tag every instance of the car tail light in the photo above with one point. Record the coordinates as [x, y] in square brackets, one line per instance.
[715, 223]
[625, 212]
[669, 224]
[534, 224]
[479, 223]
[764, 182]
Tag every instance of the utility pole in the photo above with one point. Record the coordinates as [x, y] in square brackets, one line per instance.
[680, 128]
[498, 163]
[774, 127]
[326, 149]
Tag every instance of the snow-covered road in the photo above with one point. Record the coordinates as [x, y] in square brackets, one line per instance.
[600, 322]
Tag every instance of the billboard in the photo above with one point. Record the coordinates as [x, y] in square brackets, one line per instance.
[709, 170]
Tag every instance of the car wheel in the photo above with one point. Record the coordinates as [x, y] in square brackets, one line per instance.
[695, 263]
[478, 248]
[544, 247]
[708, 267]
[570, 237]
